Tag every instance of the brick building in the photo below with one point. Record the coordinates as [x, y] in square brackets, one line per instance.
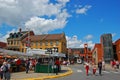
[117, 46]
[83, 53]
[3, 45]
[97, 53]
[106, 49]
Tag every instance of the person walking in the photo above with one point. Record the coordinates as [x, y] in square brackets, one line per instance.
[117, 64]
[18, 63]
[27, 65]
[6, 70]
[94, 68]
[103, 65]
[1, 71]
[100, 67]
[86, 68]
[57, 63]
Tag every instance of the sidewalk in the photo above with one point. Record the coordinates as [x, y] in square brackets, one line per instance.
[108, 67]
[40, 76]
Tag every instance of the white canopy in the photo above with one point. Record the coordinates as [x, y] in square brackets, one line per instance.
[36, 52]
[10, 52]
[56, 54]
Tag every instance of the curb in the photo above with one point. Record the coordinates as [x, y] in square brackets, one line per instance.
[50, 77]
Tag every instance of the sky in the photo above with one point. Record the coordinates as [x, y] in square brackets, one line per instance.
[82, 21]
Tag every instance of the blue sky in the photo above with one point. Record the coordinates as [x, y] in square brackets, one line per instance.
[83, 21]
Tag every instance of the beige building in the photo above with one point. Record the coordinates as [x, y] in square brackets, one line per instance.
[21, 40]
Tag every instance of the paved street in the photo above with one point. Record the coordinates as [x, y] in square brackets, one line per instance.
[79, 74]
[40, 76]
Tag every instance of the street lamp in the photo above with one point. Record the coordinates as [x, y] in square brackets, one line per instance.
[86, 46]
[28, 39]
[51, 53]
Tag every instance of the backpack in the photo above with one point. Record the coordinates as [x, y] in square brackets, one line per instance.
[5, 68]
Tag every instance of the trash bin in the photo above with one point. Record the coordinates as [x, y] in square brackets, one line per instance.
[43, 68]
[37, 68]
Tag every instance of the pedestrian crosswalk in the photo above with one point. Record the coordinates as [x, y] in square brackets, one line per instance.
[106, 72]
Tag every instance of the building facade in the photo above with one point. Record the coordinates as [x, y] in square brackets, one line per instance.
[107, 47]
[97, 53]
[117, 46]
[3, 45]
[83, 53]
[14, 41]
[27, 39]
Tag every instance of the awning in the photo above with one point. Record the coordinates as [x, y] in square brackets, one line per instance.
[36, 52]
[56, 54]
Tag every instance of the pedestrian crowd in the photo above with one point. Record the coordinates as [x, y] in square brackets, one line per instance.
[100, 66]
[14, 65]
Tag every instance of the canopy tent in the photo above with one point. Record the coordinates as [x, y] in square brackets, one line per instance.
[36, 52]
[56, 54]
[5, 53]
[31, 52]
[10, 52]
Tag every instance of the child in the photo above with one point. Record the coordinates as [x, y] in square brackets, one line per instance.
[94, 69]
[87, 68]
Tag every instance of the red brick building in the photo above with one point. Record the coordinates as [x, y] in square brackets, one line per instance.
[97, 53]
[117, 45]
[81, 53]
[3, 45]
[99, 50]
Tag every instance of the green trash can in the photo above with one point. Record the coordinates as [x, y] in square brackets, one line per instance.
[37, 68]
[43, 68]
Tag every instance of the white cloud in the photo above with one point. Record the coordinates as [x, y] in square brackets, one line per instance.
[89, 37]
[74, 42]
[42, 25]
[4, 37]
[83, 10]
[20, 11]
[90, 44]
[113, 34]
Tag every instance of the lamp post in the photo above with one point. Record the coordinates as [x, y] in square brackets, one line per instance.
[51, 52]
[86, 46]
[28, 42]
[54, 50]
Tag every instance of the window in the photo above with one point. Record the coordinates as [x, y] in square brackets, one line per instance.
[46, 43]
[51, 43]
[57, 43]
[14, 42]
[18, 43]
[11, 42]
[36, 44]
[40, 43]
